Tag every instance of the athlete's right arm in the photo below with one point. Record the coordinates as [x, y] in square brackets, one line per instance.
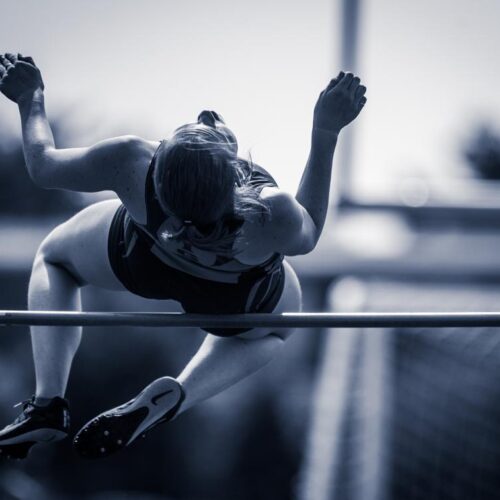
[113, 164]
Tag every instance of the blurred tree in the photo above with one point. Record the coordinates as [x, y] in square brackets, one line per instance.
[483, 153]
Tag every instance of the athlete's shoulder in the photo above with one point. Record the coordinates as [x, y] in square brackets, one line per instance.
[289, 229]
[132, 146]
[283, 215]
[280, 202]
[131, 165]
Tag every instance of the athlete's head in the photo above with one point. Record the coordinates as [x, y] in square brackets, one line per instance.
[199, 178]
[196, 172]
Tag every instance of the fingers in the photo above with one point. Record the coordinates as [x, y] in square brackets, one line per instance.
[360, 92]
[8, 59]
[27, 59]
[345, 82]
[348, 85]
[351, 84]
[11, 57]
[5, 62]
[334, 81]
[354, 84]
[359, 95]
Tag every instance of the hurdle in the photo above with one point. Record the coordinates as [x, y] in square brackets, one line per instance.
[253, 320]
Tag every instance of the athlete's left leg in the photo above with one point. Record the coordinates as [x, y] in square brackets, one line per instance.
[219, 363]
[74, 254]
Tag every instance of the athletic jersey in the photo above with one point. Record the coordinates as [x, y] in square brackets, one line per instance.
[201, 281]
[180, 254]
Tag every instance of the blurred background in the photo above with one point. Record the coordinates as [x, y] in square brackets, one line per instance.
[414, 226]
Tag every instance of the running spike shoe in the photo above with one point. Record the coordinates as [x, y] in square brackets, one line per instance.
[119, 427]
[36, 424]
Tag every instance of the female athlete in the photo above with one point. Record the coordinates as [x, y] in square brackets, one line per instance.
[192, 222]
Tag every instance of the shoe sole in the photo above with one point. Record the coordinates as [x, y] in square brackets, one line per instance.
[117, 428]
[18, 447]
[38, 436]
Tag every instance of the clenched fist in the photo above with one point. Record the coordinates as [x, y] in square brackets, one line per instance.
[339, 104]
[19, 76]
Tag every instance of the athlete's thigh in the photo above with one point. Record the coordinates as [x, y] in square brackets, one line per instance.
[81, 245]
[290, 301]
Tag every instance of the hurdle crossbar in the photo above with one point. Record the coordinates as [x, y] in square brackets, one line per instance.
[254, 320]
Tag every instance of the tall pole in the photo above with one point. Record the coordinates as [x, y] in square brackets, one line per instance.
[320, 474]
[349, 43]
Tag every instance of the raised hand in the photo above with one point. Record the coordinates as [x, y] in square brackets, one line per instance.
[339, 104]
[19, 76]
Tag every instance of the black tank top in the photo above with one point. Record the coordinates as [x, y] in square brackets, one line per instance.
[201, 263]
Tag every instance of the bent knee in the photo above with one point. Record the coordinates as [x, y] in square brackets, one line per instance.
[49, 249]
[52, 252]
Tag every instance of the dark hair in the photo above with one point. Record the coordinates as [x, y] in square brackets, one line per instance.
[200, 180]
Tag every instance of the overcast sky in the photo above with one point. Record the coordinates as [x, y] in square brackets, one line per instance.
[433, 70]
[123, 66]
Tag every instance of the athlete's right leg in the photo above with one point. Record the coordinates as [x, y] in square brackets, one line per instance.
[74, 254]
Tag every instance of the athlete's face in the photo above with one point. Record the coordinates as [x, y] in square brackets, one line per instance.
[215, 121]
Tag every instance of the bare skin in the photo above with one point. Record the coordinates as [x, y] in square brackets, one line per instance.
[75, 253]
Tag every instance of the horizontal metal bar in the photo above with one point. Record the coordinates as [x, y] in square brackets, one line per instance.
[283, 320]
